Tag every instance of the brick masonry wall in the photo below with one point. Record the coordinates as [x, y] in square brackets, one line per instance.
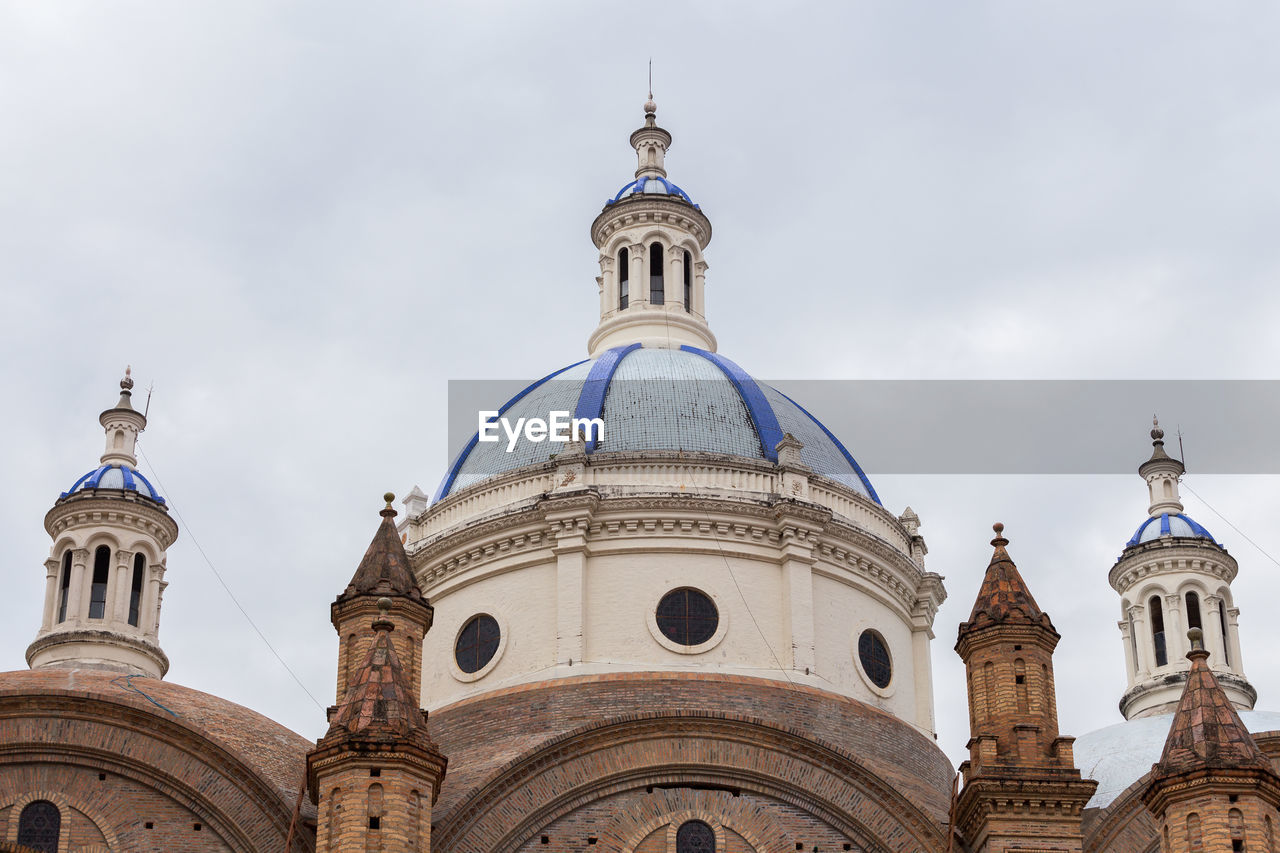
[111, 812]
[645, 822]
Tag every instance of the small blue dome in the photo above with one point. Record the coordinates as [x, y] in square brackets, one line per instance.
[685, 399]
[1179, 526]
[651, 186]
[119, 477]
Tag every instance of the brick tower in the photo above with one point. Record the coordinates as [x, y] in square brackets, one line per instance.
[1021, 787]
[376, 774]
[1213, 788]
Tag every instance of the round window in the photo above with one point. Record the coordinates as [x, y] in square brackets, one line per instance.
[874, 656]
[695, 837]
[477, 643]
[687, 616]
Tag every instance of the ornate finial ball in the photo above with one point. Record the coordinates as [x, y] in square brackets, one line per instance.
[389, 497]
[127, 382]
[1156, 432]
[384, 604]
[1196, 636]
[650, 106]
[998, 528]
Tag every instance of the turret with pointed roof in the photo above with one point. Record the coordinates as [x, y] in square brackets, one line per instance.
[1213, 788]
[384, 572]
[376, 774]
[1021, 783]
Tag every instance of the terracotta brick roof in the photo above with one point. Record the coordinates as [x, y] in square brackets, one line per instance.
[270, 750]
[379, 698]
[385, 568]
[1206, 732]
[1004, 594]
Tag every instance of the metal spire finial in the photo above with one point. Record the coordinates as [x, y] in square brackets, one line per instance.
[650, 106]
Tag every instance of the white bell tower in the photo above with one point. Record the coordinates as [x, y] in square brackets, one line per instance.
[1174, 576]
[105, 572]
[652, 274]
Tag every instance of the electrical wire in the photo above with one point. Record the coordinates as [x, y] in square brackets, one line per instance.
[1261, 550]
[191, 534]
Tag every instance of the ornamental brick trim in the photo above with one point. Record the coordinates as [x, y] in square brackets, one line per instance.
[63, 801]
[624, 826]
[636, 750]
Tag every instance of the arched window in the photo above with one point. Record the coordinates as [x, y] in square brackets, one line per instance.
[1226, 642]
[101, 572]
[64, 585]
[1020, 684]
[1193, 611]
[1235, 825]
[40, 826]
[374, 806]
[694, 836]
[624, 276]
[688, 283]
[656, 285]
[1157, 630]
[1195, 838]
[135, 587]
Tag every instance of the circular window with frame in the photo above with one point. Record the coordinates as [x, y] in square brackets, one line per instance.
[874, 659]
[687, 617]
[477, 645]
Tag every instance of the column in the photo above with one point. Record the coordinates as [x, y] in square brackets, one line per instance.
[1130, 661]
[149, 615]
[51, 567]
[797, 589]
[639, 288]
[1233, 637]
[921, 635]
[75, 593]
[673, 281]
[118, 588]
[1175, 636]
[1213, 639]
[569, 522]
[1146, 646]
[700, 288]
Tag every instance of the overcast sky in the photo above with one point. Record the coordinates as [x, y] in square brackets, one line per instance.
[300, 220]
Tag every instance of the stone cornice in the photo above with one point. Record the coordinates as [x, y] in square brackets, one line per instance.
[100, 638]
[1166, 556]
[656, 209]
[123, 509]
[594, 514]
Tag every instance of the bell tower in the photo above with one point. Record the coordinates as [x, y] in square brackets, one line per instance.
[1021, 786]
[105, 573]
[1173, 576]
[651, 237]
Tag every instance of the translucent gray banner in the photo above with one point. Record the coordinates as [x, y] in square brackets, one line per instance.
[928, 426]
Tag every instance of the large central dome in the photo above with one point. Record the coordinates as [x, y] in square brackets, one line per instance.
[684, 400]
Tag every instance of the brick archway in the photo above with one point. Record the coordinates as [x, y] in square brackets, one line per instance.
[707, 750]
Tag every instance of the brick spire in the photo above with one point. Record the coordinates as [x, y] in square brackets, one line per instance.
[1021, 785]
[385, 572]
[1206, 733]
[1213, 782]
[385, 569]
[1004, 595]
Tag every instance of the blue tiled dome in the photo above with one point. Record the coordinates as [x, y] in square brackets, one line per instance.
[661, 399]
[1178, 525]
[651, 186]
[119, 477]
